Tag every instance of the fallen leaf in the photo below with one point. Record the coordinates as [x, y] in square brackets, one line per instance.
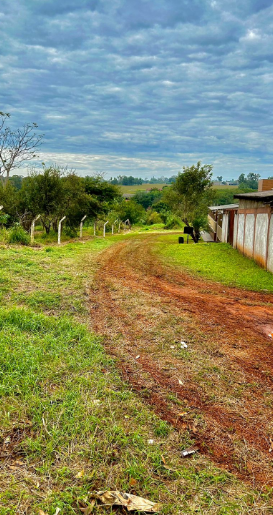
[163, 459]
[182, 414]
[133, 481]
[7, 440]
[80, 474]
[88, 509]
[129, 501]
[271, 445]
[180, 382]
[41, 512]
[137, 357]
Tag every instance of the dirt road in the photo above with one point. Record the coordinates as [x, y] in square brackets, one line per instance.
[220, 388]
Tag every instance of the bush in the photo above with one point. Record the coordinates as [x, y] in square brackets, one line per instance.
[18, 235]
[153, 218]
[173, 222]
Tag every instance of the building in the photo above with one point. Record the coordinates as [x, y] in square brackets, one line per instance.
[248, 225]
[221, 222]
[253, 233]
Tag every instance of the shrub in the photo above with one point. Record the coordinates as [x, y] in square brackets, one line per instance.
[173, 222]
[154, 218]
[18, 235]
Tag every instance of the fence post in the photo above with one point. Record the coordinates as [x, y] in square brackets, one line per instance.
[94, 228]
[60, 228]
[32, 228]
[104, 228]
[127, 222]
[113, 226]
[81, 224]
[1, 207]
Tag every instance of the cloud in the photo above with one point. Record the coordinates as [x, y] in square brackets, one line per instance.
[139, 82]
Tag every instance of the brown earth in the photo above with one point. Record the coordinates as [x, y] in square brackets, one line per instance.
[219, 388]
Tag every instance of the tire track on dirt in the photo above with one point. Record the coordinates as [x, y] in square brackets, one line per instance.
[141, 306]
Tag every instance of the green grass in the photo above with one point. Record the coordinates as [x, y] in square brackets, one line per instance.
[216, 261]
[141, 187]
[65, 409]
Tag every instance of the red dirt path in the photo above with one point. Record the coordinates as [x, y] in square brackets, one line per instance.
[219, 388]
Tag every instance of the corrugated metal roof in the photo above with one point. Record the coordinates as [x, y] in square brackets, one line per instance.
[265, 196]
[227, 206]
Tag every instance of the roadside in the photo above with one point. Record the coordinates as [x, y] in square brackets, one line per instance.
[216, 391]
[69, 423]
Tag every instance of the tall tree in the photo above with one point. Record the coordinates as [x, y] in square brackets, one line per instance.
[16, 146]
[190, 195]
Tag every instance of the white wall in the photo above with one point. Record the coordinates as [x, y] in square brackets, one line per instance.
[270, 247]
[240, 234]
[249, 235]
[260, 245]
[235, 231]
[225, 227]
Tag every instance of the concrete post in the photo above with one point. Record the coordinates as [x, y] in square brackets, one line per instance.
[119, 227]
[113, 226]
[104, 228]
[60, 229]
[81, 225]
[32, 228]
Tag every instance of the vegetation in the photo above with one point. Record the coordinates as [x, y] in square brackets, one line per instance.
[219, 262]
[69, 423]
[16, 146]
[190, 195]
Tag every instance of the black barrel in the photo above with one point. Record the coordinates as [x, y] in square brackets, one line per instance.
[180, 239]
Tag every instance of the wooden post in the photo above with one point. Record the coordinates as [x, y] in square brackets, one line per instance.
[81, 224]
[60, 228]
[32, 228]
[104, 228]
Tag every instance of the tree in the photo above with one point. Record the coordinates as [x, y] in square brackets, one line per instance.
[219, 178]
[43, 193]
[17, 146]
[190, 195]
[249, 181]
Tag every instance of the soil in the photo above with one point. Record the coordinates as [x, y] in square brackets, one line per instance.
[218, 389]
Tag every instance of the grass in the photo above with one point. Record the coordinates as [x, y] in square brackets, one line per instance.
[141, 187]
[69, 424]
[219, 262]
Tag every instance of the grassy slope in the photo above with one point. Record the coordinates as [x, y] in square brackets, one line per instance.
[65, 411]
[219, 262]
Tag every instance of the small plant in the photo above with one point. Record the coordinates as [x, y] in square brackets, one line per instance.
[18, 235]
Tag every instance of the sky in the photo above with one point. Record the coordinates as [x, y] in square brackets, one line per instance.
[142, 87]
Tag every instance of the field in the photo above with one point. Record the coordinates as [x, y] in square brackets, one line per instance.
[146, 187]
[97, 393]
[141, 187]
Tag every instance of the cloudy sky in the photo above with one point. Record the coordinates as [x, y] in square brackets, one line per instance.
[142, 87]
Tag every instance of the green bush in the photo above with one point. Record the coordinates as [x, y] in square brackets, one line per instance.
[18, 235]
[153, 218]
[173, 222]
